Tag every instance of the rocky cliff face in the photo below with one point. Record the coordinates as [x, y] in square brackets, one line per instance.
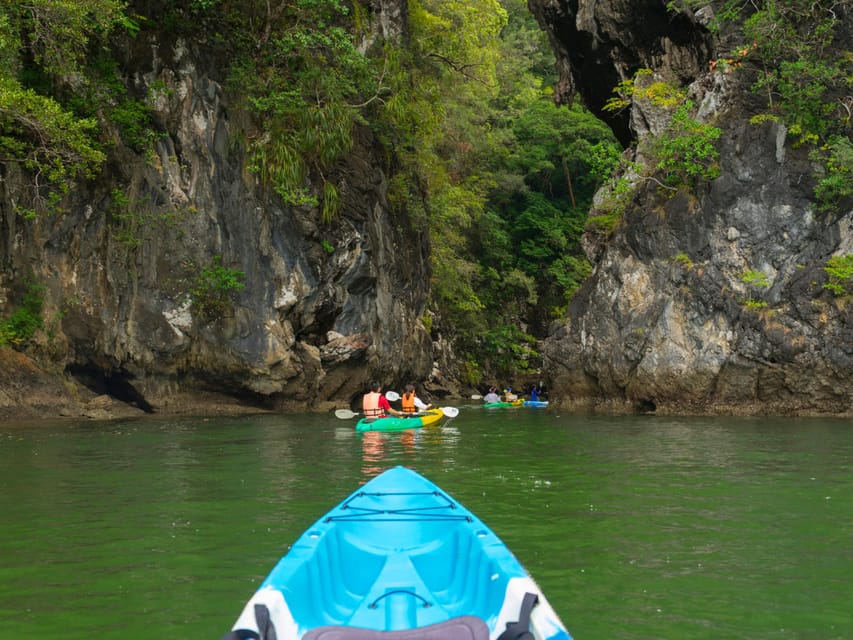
[325, 306]
[668, 321]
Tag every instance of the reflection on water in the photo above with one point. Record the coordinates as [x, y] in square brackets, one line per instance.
[373, 449]
[635, 527]
[382, 450]
[372, 454]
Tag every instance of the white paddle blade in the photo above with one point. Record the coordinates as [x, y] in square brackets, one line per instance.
[450, 412]
[392, 396]
[345, 414]
[476, 397]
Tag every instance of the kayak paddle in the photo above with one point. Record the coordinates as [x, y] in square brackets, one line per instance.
[450, 412]
[345, 414]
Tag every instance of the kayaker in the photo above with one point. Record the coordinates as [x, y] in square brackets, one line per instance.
[492, 395]
[509, 396]
[534, 394]
[411, 402]
[376, 405]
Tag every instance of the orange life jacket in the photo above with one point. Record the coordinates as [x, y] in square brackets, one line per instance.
[370, 404]
[408, 403]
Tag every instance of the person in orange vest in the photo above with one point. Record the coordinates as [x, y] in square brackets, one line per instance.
[411, 402]
[375, 405]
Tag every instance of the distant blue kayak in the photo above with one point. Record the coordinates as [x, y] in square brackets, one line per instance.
[536, 403]
[398, 555]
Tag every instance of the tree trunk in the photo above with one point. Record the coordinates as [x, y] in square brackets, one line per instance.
[569, 181]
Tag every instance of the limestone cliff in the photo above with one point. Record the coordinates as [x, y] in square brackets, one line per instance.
[668, 321]
[326, 306]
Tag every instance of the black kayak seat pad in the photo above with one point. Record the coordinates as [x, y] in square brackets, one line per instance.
[461, 628]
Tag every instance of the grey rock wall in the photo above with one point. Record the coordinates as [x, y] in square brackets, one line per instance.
[667, 321]
[325, 307]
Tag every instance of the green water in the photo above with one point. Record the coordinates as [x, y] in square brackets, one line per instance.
[635, 527]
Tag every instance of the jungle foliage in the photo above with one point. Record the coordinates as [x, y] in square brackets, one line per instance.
[507, 176]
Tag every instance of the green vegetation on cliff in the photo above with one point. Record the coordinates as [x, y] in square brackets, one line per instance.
[792, 50]
[22, 323]
[43, 49]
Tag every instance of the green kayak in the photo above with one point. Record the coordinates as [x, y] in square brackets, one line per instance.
[393, 423]
[495, 405]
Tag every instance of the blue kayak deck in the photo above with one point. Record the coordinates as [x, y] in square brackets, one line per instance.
[402, 547]
[398, 554]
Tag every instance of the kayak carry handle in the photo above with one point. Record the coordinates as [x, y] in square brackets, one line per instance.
[375, 603]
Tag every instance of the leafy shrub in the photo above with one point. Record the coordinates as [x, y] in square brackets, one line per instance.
[839, 269]
[214, 287]
[640, 87]
[26, 319]
[754, 280]
[618, 193]
[133, 119]
[682, 259]
[837, 183]
[685, 151]
[126, 221]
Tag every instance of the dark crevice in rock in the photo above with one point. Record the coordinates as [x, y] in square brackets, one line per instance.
[598, 45]
[645, 406]
[115, 384]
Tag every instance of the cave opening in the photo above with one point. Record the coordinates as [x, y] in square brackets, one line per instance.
[645, 406]
[116, 384]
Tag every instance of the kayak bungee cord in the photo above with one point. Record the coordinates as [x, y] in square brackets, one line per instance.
[408, 514]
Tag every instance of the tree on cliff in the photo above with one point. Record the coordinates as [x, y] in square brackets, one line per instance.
[43, 44]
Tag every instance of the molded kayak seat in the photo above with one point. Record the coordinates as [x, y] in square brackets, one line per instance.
[461, 628]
